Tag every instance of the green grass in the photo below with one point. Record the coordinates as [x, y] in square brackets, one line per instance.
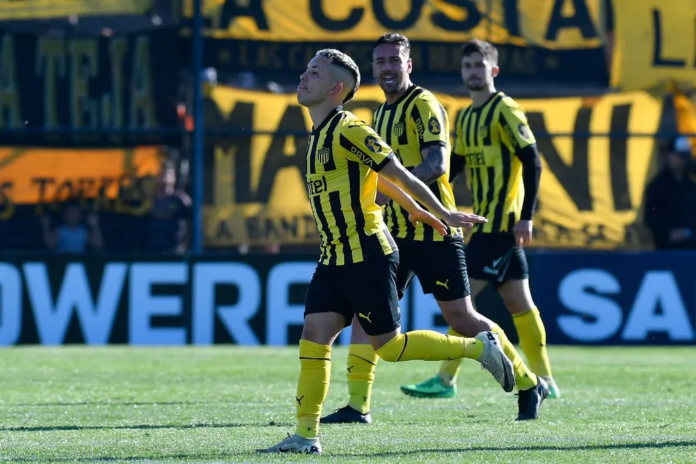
[83, 404]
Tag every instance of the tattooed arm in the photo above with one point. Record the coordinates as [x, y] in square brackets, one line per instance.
[433, 165]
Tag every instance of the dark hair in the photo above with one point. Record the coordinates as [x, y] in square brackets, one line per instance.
[486, 49]
[343, 61]
[392, 38]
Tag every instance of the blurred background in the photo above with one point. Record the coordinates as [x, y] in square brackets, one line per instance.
[167, 132]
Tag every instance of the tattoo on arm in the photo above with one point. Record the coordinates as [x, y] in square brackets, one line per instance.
[433, 165]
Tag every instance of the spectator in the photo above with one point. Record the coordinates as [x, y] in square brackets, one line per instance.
[168, 223]
[670, 200]
[72, 236]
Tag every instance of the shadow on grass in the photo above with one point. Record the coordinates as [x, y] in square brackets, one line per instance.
[63, 428]
[217, 455]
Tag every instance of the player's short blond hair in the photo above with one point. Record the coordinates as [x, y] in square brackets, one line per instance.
[341, 60]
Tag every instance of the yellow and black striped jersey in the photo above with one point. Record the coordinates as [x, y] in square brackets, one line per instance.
[344, 155]
[416, 121]
[488, 137]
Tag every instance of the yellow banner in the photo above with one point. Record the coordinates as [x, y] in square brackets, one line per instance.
[591, 189]
[556, 24]
[654, 43]
[35, 9]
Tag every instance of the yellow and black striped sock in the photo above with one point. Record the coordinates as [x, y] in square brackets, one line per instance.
[362, 361]
[312, 386]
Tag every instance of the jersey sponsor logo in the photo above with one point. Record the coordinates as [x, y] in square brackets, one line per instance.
[317, 186]
[363, 157]
[475, 159]
[373, 144]
[399, 129]
[434, 126]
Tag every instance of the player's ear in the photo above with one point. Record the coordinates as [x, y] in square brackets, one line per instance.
[409, 65]
[336, 89]
[495, 70]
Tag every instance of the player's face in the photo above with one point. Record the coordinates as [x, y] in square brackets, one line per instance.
[391, 67]
[315, 83]
[477, 72]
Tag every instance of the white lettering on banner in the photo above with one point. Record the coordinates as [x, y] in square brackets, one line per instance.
[53, 318]
[10, 304]
[206, 276]
[425, 309]
[573, 294]
[143, 305]
[658, 289]
[279, 313]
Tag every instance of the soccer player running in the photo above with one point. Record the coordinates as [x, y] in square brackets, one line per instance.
[416, 126]
[356, 273]
[494, 141]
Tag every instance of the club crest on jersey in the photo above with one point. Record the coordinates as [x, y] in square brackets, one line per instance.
[524, 132]
[434, 125]
[483, 131]
[399, 129]
[323, 155]
[372, 144]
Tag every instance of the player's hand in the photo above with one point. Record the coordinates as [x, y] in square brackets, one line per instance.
[462, 219]
[421, 215]
[523, 232]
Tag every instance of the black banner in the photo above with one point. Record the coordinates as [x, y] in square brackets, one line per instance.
[88, 91]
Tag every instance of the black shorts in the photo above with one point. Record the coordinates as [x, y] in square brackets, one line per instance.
[367, 289]
[495, 258]
[439, 266]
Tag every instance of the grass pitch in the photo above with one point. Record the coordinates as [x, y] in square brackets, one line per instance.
[113, 404]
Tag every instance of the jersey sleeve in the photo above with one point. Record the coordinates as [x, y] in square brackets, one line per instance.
[430, 121]
[361, 143]
[516, 133]
[459, 148]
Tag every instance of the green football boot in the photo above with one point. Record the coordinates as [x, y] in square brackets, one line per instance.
[431, 388]
[554, 391]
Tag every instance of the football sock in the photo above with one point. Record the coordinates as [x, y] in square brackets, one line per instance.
[523, 377]
[428, 345]
[312, 386]
[362, 361]
[532, 334]
[449, 369]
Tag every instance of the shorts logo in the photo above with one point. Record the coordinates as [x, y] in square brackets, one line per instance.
[495, 262]
[361, 315]
[323, 155]
[434, 125]
[399, 129]
[373, 144]
[442, 284]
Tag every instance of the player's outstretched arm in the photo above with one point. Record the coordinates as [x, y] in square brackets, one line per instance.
[416, 214]
[397, 174]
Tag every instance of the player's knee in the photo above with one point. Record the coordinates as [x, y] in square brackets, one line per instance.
[391, 350]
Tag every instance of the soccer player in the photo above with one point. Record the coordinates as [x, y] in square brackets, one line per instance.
[356, 273]
[416, 126]
[494, 141]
